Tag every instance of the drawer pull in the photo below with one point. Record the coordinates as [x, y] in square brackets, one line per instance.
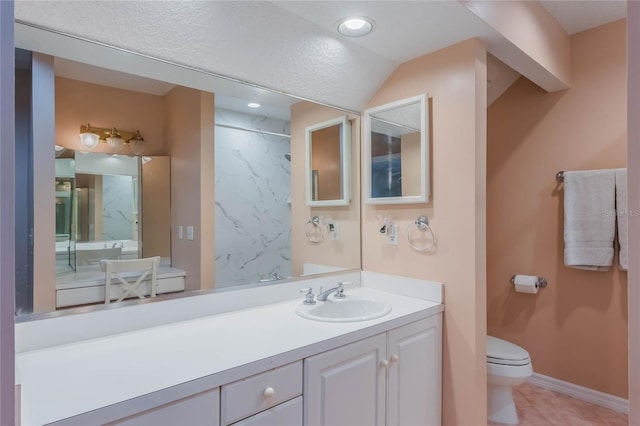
[269, 392]
[394, 358]
[384, 363]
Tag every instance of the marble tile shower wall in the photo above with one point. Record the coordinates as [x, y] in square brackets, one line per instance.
[118, 214]
[253, 200]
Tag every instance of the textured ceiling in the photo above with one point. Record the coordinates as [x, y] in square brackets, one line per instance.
[291, 47]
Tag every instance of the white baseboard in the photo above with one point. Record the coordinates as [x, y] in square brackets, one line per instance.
[602, 399]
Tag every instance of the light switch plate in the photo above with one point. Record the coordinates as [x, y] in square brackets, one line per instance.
[334, 231]
[190, 233]
[179, 232]
[392, 234]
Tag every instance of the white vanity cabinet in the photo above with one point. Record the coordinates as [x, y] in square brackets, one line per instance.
[390, 379]
[385, 371]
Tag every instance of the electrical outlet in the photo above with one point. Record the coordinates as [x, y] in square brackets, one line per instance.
[190, 233]
[392, 234]
[179, 232]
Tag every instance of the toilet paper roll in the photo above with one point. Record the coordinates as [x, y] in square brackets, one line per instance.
[526, 284]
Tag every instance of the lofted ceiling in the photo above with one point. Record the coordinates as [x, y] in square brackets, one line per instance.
[292, 46]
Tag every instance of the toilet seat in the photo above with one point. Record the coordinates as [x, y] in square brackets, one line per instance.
[502, 352]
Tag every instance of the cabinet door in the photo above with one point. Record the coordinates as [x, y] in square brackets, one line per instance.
[346, 386]
[414, 377]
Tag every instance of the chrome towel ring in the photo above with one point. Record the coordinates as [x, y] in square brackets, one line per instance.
[420, 235]
[313, 230]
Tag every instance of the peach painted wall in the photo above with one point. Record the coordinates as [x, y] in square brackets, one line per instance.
[345, 252]
[156, 207]
[576, 328]
[410, 160]
[79, 103]
[207, 195]
[455, 79]
[325, 159]
[189, 139]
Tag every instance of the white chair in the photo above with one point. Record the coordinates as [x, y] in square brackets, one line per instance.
[130, 274]
[87, 257]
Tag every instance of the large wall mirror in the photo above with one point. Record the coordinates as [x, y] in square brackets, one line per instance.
[218, 191]
[396, 152]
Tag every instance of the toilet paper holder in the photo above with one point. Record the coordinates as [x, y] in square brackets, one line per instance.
[541, 282]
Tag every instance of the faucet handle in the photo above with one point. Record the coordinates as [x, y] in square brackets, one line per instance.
[340, 292]
[309, 297]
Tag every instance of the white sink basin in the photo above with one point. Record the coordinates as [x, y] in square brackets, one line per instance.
[350, 309]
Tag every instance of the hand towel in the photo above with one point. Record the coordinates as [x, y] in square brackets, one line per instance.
[589, 219]
[622, 217]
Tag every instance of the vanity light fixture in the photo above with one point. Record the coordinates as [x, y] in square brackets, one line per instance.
[114, 139]
[355, 26]
[90, 137]
[253, 105]
[137, 143]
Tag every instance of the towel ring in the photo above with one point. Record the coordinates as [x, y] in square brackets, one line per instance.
[313, 230]
[425, 242]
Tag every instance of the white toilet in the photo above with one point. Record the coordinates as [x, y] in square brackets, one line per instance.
[508, 365]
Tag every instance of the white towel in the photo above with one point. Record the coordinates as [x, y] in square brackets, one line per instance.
[589, 219]
[622, 216]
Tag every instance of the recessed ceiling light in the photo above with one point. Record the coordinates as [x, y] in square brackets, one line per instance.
[355, 26]
[253, 105]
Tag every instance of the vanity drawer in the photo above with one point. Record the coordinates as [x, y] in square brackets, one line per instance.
[285, 414]
[257, 393]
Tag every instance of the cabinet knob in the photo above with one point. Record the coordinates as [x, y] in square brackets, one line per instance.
[269, 392]
[394, 358]
[384, 363]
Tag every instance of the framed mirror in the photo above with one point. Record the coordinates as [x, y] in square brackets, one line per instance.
[328, 163]
[396, 152]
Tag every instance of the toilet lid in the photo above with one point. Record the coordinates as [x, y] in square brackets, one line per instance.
[506, 353]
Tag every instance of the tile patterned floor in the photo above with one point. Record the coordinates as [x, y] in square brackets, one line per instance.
[541, 407]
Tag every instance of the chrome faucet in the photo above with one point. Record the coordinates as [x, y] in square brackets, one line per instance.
[339, 291]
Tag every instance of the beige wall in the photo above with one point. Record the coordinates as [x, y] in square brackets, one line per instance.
[156, 207]
[189, 138]
[576, 328]
[345, 252]
[207, 186]
[455, 79]
[79, 103]
[325, 159]
[410, 163]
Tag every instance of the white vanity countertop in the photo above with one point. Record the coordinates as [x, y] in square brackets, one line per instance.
[94, 277]
[67, 380]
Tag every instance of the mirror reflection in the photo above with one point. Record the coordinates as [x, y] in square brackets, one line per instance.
[215, 191]
[328, 148]
[396, 152]
[253, 198]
